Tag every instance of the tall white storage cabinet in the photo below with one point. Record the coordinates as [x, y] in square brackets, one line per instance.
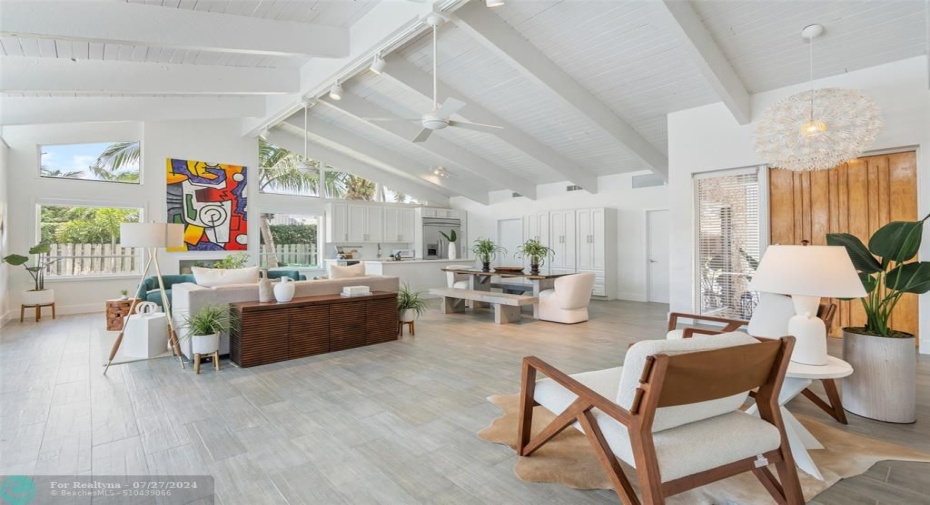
[596, 238]
[536, 227]
[562, 237]
[584, 240]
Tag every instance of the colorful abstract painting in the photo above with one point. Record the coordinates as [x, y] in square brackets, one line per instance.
[210, 200]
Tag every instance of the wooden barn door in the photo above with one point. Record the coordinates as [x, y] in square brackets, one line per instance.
[857, 197]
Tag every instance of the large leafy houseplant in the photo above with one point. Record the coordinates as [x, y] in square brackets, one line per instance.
[536, 252]
[486, 250]
[37, 272]
[886, 271]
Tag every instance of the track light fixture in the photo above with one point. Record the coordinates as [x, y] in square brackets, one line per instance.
[494, 3]
[377, 64]
[441, 172]
[336, 91]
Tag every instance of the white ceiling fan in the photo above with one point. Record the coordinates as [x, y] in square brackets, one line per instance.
[439, 117]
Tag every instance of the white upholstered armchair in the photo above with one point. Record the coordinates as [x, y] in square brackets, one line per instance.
[672, 412]
[457, 281]
[568, 301]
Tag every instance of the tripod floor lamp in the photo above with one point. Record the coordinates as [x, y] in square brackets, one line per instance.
[151, 236]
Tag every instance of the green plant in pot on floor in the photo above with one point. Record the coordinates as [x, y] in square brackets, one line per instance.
[451, 238]
[410, 304]
[38, 295]
[486, 251]
[536, 253]
[883, 383]
[204, 328]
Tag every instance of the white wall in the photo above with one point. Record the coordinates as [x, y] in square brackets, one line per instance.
[613, 191]
[218, 141]
[4, 229]
[708, 138]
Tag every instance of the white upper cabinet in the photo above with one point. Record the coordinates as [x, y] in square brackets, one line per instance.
[375, 223]
[337, 223]
[562, 238]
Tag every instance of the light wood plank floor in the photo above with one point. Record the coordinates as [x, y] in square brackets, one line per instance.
[393, 423]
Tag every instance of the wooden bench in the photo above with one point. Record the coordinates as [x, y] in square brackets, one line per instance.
[506, 306]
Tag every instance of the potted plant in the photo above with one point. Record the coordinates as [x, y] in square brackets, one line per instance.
[452, 237]
[38, 295]
[410, 304]
[486, 250]
[237, 260]
[204, 328]
[124, 294]
[536, 252]
[883, 383]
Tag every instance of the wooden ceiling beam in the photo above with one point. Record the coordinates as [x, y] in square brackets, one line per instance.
[291, 140]
[709, 58]
[53, 75]
[149, 25]
[360, 108]
[326, 134]
[494, 33]
[421, 82]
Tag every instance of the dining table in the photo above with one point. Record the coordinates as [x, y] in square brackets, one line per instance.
[480, 280]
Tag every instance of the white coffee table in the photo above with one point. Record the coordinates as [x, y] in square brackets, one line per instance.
[797, 379]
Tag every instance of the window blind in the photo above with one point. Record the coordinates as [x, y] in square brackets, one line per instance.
[728, 242]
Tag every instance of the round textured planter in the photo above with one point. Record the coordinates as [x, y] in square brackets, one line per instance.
[407, 315]
[883, 383]
[43, 297]
[205, 344]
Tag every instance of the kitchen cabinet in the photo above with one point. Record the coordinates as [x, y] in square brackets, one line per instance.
[374, 224]
[337, 229]
[398, 225]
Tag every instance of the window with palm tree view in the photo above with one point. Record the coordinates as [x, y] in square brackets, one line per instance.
[287, 173]
[84, 240]
[100, 161]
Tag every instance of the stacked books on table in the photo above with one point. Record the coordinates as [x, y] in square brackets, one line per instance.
[355, 291]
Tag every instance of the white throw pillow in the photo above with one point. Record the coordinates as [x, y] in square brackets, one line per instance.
[338, 272]
[212, 277]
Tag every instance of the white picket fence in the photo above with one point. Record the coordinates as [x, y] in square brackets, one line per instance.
[89, 259]
[293, 254]
[84, 259]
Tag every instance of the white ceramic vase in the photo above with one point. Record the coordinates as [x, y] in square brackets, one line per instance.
[284, 290]
[265, 290]
[453, 252]
[205, 344]
[43, 297]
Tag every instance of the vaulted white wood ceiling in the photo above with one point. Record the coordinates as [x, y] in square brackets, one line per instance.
[582, 88]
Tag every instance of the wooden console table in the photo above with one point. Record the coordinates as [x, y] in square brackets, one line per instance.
[271, 332]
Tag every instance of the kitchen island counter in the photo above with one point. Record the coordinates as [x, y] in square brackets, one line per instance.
[418, 274]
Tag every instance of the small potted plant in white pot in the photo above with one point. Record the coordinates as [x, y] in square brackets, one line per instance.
[39, 295]
[883, 384]
[410, 304]
[203, 329]
[124, 294]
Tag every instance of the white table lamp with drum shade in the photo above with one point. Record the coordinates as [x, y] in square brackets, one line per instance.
[807, 273]
[152, 237]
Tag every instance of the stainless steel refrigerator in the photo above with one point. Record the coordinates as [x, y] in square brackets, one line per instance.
[435, 247]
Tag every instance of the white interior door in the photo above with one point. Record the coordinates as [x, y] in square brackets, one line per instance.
[657, 241]
[510, 236]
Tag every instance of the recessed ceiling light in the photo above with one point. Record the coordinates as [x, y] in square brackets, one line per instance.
[494, 3]
[377, 64]
[336, 91]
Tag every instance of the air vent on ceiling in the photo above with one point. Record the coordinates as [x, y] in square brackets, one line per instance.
[516, 195]
[647, 181]
[573, 187]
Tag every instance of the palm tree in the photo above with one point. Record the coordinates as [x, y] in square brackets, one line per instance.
[44, 171]
[109, 165]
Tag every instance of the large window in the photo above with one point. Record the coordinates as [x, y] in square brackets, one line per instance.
[84, 240]
[728, 242]
[101, 161]
[287, 173]
[289, 241]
